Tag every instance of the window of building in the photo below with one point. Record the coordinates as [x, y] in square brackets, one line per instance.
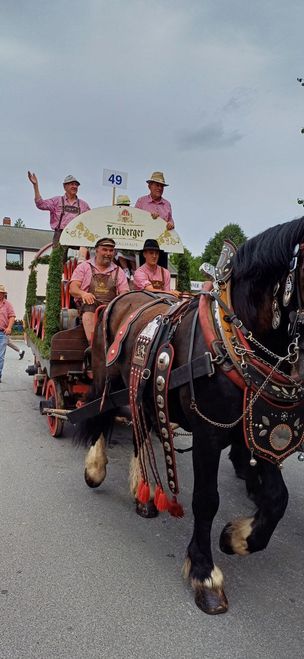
[14, 259]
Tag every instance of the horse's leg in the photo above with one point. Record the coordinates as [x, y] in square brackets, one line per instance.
[247, 535]
[95, 463]
[206, 578]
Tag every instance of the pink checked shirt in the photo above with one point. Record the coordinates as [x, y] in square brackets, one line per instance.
[54, 206]
[162, 207]
[83, 273]
[145, 275]
[6, 312]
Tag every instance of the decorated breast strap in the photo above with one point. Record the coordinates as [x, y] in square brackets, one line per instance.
[272, 431]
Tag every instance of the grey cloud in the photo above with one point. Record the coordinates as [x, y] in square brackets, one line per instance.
[210, 136]
[240, 98]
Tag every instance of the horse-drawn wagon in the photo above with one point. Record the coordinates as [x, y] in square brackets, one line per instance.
[61, 372]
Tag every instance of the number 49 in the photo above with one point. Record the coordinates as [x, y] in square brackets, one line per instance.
[115, 179]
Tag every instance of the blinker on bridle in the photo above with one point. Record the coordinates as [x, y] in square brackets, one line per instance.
[296, 318]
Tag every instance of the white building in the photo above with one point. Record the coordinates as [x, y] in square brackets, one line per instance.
[18, 247]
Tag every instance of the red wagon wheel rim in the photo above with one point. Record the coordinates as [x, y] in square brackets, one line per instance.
[37, 386]
[53, 391]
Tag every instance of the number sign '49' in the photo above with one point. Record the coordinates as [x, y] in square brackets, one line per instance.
[115, 179]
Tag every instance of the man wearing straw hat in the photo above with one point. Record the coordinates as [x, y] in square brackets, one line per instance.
[7, 319]
[63, 208]
[154, 202]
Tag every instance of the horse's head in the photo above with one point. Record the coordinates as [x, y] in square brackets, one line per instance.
[268, 290]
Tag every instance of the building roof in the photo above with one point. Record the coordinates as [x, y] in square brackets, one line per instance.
[23, 238]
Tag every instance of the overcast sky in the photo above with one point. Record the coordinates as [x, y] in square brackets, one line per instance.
[203, 90]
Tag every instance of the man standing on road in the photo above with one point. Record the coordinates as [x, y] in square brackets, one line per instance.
[7, 319]
[62, 209]
[97, 281]
[154, 202]
[11, 344]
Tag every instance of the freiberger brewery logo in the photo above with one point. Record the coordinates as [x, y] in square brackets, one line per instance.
[125, 216]
[122, 228]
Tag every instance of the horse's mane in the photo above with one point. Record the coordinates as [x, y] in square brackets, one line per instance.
[261, 262]
[268, 254]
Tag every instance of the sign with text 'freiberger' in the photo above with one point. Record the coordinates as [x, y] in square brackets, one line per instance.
[128, 226]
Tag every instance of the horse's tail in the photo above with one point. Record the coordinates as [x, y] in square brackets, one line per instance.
[87, 432]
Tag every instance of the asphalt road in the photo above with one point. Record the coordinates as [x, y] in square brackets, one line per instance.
[82, 576]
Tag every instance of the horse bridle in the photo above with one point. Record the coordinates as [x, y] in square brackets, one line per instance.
[296, 318]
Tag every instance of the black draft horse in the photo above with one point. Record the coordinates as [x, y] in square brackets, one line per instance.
[260, 269]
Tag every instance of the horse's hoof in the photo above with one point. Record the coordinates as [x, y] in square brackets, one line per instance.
[225, 540]
[211, 601]
[146, 510]
[89, 481]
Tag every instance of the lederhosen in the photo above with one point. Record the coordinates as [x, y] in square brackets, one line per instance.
[104, 287]
[65, 209]
[158, 284]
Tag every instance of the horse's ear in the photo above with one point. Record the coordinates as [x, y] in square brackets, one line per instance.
[232, 244]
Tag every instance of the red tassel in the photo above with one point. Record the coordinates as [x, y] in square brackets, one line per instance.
[162, 501]
[143, 492]
[156, 494]
[139, 489]
[175, 508]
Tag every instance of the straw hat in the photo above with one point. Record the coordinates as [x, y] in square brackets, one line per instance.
[2, 289]
[157, 177]
[122, 200]
[70, 179]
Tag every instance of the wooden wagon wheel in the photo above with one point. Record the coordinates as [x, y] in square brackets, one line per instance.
[67, 295]
[37, 385]
[54, 395]
[62, 294]
[38, 321]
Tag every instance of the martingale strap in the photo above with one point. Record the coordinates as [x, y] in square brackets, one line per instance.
[163, 365]
[272, 431]
[138, 373]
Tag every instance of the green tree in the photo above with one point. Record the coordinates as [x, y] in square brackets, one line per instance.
[214, 246]
[19, 223]
[194, 263]
[183, 273]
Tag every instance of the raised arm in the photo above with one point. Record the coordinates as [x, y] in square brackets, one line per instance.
[34, 181]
